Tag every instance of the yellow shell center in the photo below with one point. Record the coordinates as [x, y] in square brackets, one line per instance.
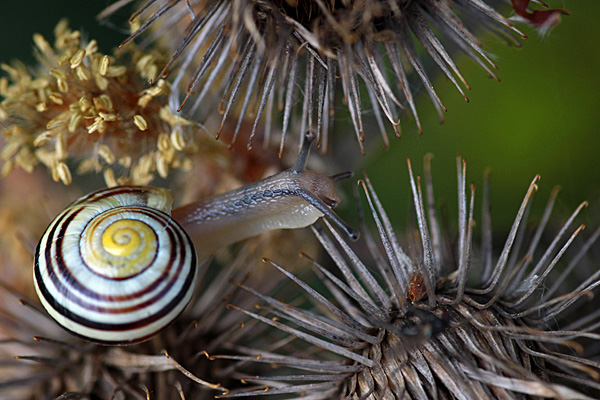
[123, 238]
[119, 248]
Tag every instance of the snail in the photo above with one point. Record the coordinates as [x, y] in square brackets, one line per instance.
[117, 266]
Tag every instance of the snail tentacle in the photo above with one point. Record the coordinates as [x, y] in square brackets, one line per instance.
[300, 165]
[322, 206]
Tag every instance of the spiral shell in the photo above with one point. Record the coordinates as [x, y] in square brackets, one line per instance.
[114, 267]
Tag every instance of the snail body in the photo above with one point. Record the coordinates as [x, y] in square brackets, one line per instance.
[115, 267]
[291, 199]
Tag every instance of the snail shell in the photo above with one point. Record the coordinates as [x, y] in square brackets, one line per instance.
[114, 267]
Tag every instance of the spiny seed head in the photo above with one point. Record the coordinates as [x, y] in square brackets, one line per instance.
[51, 363]
[427, 319]
[39, 360]
[284, 60]
[80, 105]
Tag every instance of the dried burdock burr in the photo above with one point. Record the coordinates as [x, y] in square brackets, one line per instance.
[433, 316]
[282, 61]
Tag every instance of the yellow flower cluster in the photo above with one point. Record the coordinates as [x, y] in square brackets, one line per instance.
[94, 109]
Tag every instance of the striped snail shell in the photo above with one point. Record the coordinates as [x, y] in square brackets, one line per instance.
[114, 267]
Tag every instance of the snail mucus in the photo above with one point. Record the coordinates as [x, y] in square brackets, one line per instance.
[118, 266]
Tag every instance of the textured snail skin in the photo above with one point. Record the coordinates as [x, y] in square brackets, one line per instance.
[278, 202]
[291, 199]
[114, 267]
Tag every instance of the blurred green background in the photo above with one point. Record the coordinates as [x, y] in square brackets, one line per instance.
[541, 119]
